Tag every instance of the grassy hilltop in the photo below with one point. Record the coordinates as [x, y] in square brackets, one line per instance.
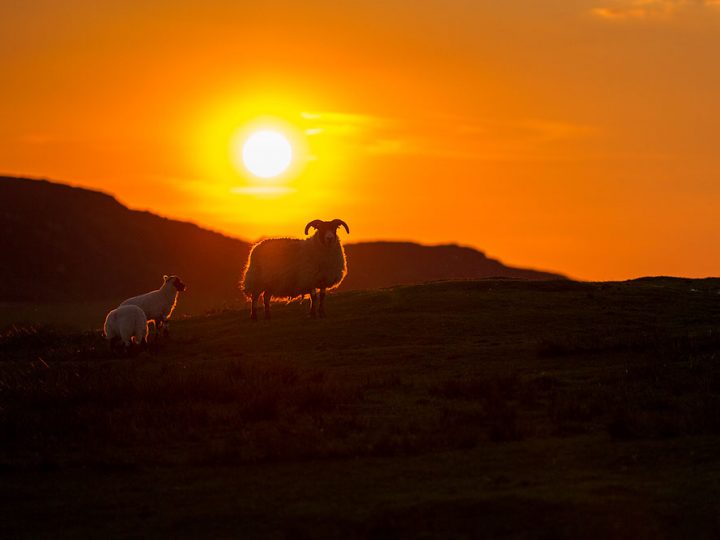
[455, 409]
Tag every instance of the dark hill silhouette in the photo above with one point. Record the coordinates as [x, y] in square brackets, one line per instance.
[383, 264]
[67, 244]
[61, 243]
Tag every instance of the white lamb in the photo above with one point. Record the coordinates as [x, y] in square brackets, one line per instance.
[126, 326]
[158, 305]
[291, 267]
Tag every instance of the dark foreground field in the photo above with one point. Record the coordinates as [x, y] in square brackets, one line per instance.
[454, 410]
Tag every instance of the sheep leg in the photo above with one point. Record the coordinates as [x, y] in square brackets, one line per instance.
[165, 327]
[321, 307]
[158, 329]
[253, 306]
[313, 303]
[266, 301]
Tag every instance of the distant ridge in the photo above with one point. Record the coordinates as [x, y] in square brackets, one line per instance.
[383, 264]
[62, 243]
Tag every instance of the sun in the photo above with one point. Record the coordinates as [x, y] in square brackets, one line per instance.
[267, 153]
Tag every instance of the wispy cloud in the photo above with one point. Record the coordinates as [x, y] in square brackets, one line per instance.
[639, 10]
[444, 136]
[342, 124]
[262, 191]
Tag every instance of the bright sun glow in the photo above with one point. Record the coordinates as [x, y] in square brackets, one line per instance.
[267, 153]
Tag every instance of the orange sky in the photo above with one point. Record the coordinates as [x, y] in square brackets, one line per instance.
[575, 136]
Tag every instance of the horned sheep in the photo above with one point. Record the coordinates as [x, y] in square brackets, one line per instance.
[159, 304]
[293, 267]
[126, 326]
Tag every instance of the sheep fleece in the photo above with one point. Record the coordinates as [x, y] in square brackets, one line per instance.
[290, 267]
[157, 305]
[126, 322]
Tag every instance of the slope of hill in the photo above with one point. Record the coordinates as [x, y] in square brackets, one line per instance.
[67, 243]
[385, 264]
[489, 409]
[63, 244]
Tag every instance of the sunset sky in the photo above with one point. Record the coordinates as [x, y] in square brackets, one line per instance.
[576, 136]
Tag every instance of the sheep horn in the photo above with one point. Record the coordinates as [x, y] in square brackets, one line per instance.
[313, 223]
[337, 222]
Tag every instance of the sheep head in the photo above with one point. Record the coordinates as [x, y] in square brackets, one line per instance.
[327, 230]
[176, 282]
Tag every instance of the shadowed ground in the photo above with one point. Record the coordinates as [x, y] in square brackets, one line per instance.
[466, 409]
